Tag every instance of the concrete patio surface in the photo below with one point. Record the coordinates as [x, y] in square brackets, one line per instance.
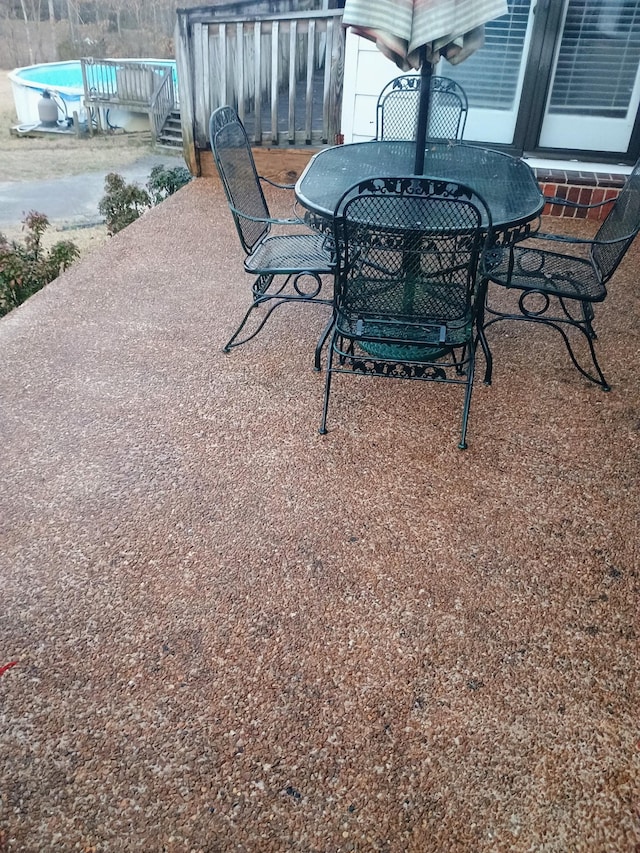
[232, 633]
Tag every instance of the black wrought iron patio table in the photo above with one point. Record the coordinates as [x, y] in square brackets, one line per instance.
[506, 183]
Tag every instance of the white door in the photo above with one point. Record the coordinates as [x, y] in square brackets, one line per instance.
[492, 78]
[595, 87]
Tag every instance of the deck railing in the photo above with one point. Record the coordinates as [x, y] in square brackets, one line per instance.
[163, 101]
[137, 86]
[282, 72]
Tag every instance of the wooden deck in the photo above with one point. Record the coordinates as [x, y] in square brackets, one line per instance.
[146, 87]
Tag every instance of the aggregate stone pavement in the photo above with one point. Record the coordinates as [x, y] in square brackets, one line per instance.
[232, 633]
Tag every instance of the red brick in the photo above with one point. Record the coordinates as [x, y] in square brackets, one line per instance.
[586, 195]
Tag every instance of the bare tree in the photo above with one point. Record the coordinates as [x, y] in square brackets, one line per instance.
[27, 31]
[52, 30]
[72, 18]
[32, 30]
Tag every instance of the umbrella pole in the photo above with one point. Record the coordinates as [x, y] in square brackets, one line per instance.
[426, 71]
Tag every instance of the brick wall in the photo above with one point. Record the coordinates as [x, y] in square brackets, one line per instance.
[583, 187]
[285, 165]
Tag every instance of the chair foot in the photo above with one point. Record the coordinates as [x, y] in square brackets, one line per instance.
[462, 445]
[322, 430]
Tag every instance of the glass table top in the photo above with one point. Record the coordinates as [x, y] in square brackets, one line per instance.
[506, 183]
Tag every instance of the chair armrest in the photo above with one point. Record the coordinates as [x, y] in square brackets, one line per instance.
[270, 219]
[276, 184]
[567, 238]
[562, 238]
[565, 202]
[288, 188]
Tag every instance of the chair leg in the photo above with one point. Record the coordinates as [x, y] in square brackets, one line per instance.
[327, 387]
[261, 296]
[484, 343]
[600, 380]
[462, 445]
[321, 342]
[260, 285]
[488, 357]
[559, 322]
[459, 362]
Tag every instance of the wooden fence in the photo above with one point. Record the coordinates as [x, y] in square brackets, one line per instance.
[282, 72]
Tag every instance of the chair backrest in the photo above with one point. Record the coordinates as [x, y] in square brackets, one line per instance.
[236, 167]
[397, 109]
[620, 226]
[410, 248]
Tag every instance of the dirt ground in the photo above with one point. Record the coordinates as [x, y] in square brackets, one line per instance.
[43, 158]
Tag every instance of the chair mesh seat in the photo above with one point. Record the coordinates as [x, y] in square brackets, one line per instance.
[561, 275]
[290, 253]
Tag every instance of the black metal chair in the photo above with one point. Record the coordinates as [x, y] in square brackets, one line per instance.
[397, 109]
[559, 289]
[282, 263]
[409, 284]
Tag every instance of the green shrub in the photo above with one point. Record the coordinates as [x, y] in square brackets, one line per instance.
[25, 267]
[165, 182]
[123, 203]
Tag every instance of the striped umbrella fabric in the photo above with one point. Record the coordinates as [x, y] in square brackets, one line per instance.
[409, 31]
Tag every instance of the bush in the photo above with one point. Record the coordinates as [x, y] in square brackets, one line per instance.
[26, 267]
[165, 182]
[123, 203]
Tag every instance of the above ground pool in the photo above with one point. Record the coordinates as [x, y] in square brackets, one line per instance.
[63, 80]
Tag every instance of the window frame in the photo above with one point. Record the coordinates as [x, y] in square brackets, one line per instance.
[545, 35]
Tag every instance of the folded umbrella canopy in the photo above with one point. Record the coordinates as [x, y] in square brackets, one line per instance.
[416, 33]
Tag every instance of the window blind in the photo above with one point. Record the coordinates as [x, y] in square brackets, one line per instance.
[490, 76]
[597, 59]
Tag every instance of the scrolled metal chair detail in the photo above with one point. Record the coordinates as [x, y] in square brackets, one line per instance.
[559, 290]
[398, 104]
[288, 267]
[409, 284]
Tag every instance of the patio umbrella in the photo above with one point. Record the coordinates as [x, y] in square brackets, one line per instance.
[416, 33]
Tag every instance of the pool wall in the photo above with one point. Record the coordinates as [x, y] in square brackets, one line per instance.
[28, 84]
[64, 81]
